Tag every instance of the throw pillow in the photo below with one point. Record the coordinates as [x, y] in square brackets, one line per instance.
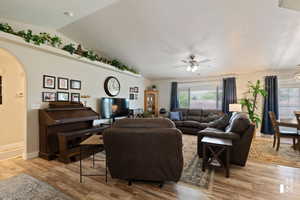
[239, 124]
[233, 115]
[175, 116]
[220, 123]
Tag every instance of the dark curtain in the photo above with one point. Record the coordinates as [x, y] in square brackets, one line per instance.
[174, 97]
[229, 93]
[270, 103]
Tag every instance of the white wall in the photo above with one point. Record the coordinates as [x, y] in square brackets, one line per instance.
[37, 63]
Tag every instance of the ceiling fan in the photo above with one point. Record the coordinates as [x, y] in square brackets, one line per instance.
[193, 64]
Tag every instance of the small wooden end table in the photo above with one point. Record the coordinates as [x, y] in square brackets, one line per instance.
[213, 149]
[93, 144]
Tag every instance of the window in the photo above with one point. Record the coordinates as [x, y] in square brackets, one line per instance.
[197, 95]
[289, 101]
[183, 98]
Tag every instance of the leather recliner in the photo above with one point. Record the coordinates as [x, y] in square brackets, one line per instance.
[241, 134]
[144, 149]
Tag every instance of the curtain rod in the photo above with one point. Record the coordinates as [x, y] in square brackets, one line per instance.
[198, 81]
[208, 80]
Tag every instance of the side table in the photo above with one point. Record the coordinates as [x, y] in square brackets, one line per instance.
[92, 145]
[213, 150]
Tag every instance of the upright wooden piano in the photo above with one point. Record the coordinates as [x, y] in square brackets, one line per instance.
[62, 127]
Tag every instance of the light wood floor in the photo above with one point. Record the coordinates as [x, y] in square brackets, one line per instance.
[255, 181]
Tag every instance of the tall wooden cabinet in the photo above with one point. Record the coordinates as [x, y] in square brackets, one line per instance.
[151, 102]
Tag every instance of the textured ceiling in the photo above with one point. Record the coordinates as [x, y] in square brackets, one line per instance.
[155, 35]
[238, 36]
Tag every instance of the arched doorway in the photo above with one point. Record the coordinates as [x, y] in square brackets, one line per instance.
[13, 106]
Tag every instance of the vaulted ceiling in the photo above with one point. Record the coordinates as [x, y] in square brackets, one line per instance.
[155, 35]
[50, 13]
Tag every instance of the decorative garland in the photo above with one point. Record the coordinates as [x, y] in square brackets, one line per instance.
[55, 41]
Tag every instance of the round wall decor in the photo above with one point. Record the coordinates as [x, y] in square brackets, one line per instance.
[112, 86]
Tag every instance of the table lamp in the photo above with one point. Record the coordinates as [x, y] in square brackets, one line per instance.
[114, 108]
[85, 99]
[235, 107]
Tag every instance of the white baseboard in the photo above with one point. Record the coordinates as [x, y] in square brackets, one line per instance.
[27, 156]
[11, 146]
[11, 150]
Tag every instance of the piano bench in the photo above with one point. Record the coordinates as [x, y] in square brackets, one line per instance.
[69, 143]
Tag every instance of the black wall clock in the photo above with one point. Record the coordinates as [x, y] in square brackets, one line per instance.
[112, 86]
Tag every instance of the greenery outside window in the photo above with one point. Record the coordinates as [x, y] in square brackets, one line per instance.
[200, 96]
[183, 98]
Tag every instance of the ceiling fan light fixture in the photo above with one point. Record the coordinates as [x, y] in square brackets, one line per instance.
[195, 68]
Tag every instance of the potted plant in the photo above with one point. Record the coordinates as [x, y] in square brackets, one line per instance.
[255, 90]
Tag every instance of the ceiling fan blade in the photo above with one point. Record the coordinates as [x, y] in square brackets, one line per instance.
[180, 66]
[204, 61]
[203, 66]
[185, 61]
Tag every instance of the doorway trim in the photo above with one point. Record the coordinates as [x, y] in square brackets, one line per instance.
[20, 94]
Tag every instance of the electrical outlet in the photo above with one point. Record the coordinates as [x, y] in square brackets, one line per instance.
[36, 106]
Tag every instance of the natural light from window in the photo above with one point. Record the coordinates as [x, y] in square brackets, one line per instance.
[289, 101]
[288, 98]
[200, 95]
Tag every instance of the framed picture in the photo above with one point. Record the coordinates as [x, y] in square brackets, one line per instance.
[62, 96]
[131, 89]
[131, 96]
[49, 82]
[135, 96]
[136, 89]
[48, 96]
[75, 84]
[75, 97]
[63, 83]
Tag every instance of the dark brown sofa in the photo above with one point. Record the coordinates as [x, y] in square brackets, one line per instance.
[195, 120]
[240, 130]
[144, 149]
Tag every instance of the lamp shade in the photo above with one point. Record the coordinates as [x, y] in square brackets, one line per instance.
[235, 107]
[114, 108]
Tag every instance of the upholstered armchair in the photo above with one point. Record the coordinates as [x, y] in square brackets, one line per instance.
[240, 130]
[144, 149]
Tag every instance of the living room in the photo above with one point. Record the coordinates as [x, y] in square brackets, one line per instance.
[149, 99]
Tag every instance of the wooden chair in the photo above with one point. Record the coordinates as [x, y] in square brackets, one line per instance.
[297, 114]
[280, 133]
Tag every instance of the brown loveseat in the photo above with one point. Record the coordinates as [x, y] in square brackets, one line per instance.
[144, 149]
[240, 130]
[195, 120]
